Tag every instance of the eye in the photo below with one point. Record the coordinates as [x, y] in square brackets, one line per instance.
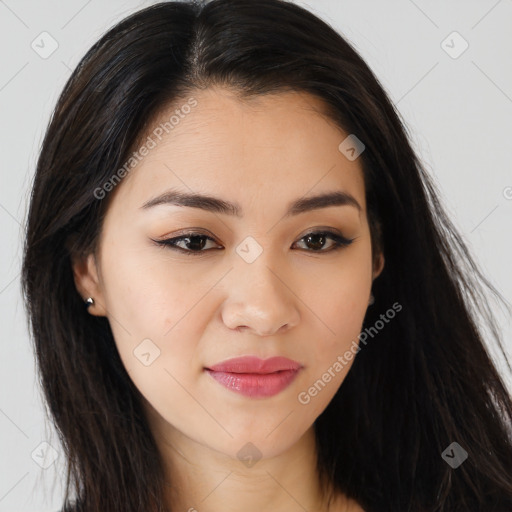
[195, 242]
[317, 240]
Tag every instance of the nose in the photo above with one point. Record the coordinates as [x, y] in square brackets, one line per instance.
[260, 300]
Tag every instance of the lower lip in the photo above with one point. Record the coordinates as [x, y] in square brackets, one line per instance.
[255, 385]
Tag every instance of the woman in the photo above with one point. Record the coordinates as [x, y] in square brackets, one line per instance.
[244, 292]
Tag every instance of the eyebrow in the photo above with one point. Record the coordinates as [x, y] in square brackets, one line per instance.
[217, 205]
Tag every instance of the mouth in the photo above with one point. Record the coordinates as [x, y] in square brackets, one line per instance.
[254, 377]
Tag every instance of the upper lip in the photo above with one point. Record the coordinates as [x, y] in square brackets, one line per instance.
[253, 364]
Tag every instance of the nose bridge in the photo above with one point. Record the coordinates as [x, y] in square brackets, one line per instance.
[258, 298]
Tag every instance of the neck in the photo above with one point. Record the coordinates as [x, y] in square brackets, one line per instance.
[204, 480]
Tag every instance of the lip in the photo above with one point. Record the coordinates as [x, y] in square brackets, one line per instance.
[255, 377]
[253, 364]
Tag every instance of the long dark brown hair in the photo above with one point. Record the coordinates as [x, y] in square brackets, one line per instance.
[423, 382]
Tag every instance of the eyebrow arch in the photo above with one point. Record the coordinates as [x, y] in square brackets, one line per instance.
[217, 205]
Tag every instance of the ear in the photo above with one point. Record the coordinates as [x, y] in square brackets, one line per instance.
[378, 265]
[87, 282]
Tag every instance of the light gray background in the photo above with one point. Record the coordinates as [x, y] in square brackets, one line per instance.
[458, 110]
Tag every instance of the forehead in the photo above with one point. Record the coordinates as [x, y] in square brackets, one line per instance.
[266, 147]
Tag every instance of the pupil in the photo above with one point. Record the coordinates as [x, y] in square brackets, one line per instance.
[194, 239]
[321, 237]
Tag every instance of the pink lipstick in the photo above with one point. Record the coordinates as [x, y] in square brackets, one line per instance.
[255, 377]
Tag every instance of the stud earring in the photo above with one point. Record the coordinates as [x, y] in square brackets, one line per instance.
[372, 299]
[89, 302]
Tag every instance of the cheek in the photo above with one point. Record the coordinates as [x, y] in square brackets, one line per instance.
[149, 292]
[339, 299]
[153, 310]
[336, 345]
[155, 317]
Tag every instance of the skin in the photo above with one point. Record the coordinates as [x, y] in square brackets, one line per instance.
[203, 309]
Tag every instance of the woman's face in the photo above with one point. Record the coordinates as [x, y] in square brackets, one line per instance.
[256, 285]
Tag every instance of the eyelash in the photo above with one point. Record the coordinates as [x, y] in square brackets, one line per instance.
[339, 242]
